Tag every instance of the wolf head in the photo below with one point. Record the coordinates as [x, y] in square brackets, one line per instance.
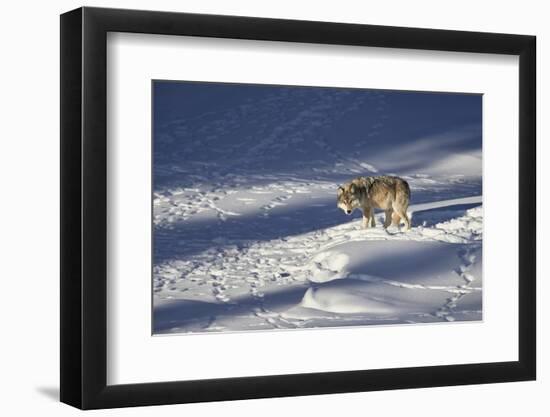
[349, 197]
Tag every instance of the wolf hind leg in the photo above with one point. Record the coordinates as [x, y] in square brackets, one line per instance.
[395, 218]
[372, 222]
[403, 214]
[401, 204]
[388, 220]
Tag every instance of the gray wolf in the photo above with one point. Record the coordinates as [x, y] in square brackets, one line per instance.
[391, 194]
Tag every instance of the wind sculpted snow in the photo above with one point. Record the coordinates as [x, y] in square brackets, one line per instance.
[247, 235]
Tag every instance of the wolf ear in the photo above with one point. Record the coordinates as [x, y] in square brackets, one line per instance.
[340, 190]
[352, 188]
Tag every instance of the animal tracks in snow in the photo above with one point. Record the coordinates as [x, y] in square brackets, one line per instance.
[247, 234]
[342, 275]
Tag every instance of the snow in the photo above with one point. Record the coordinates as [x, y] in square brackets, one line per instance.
[247, 235]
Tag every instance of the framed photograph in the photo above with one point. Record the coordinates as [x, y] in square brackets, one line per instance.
[257, 208]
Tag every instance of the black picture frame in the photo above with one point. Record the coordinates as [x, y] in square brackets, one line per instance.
[84, 207]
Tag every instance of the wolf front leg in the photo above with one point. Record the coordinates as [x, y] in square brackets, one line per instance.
[368, 217]
[365, 220]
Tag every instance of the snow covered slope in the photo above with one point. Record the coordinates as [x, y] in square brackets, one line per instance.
[246, 230]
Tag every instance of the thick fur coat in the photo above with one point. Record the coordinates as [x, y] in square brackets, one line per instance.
[391, 194]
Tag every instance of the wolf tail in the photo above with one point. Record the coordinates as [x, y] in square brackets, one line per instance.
[407, 189]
